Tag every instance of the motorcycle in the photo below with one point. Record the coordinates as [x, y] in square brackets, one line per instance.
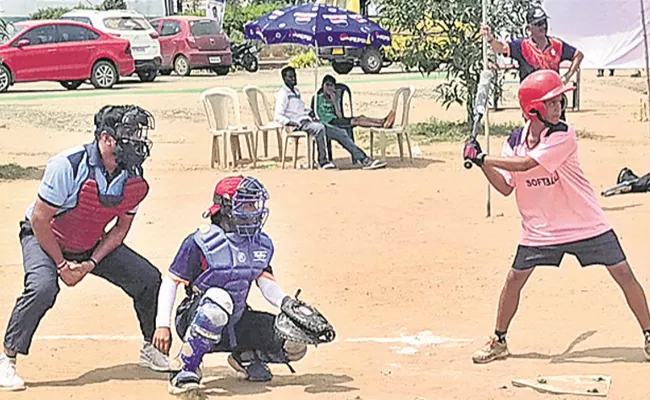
[245, 55]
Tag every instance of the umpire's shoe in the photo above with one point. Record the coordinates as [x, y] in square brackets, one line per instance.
[9, 380]
[151, 358]
[254, 370]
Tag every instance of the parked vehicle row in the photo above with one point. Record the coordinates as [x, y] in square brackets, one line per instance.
[99, 47]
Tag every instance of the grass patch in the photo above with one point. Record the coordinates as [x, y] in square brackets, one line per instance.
[14, 171]
[457, 131]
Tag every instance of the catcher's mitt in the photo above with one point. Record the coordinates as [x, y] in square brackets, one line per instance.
[300, 322]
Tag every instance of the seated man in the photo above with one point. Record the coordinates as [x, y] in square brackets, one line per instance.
[329, 111]
[290, 110]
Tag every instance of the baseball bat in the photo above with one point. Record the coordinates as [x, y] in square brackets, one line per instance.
[480, 105]
[621, 188]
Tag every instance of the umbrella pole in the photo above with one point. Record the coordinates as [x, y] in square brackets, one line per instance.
[647, 63]
[486, 119]
[316, 70]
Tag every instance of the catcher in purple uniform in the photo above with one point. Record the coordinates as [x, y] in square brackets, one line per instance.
[217, 264]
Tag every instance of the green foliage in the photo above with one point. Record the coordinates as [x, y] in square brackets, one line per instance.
[444, 35]
[15, 171]
[304, 59]
[447, 131]
[57, 12]
[236, 15]
[112, 5]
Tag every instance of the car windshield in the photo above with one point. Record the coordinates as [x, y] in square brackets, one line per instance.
[127, 23]
[9, 32]
[204, 27]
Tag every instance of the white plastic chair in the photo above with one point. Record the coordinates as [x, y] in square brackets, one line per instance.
[401, 126]
[217, 103]
[263, 118]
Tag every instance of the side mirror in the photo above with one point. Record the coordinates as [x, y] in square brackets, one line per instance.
[23, 43]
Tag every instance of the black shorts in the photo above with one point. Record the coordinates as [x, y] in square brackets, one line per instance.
[603, 249]
[254, 331]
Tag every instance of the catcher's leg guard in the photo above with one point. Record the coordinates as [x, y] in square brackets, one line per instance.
[210, 319]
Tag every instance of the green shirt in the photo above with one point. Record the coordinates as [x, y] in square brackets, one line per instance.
[325, 109]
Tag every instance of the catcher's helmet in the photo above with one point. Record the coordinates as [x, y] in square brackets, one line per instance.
[538, 87]
[242, 204]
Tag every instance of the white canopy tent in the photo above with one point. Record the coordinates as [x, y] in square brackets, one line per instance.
[612, 34]
[608, 32]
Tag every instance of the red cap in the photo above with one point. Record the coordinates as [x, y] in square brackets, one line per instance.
[226, 188]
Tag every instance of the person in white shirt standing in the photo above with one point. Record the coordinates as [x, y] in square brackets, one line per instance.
[290, 110]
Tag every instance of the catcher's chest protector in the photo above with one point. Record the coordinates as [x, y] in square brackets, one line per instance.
[79, 229]
[234, 263]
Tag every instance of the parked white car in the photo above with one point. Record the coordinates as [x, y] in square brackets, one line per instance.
[130, 25]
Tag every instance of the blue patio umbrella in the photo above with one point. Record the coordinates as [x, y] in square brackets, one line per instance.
[317, 25]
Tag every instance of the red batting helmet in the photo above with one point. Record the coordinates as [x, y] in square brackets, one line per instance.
[538, 87]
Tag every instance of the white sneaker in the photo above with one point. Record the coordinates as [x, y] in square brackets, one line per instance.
[151, 358]
[9, 380]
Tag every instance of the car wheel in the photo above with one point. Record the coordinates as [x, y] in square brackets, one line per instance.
[342, 67]
[221, 71]
[71, 85]
[5, 78]
[371, 61]
[147, 76]
[182, 66]
[165, 72]
[104, 75]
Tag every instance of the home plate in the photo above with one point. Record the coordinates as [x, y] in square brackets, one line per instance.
[582, 385]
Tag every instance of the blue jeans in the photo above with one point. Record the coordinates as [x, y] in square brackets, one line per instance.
[322, 132]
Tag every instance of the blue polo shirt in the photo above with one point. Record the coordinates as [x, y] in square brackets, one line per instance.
[67, 171]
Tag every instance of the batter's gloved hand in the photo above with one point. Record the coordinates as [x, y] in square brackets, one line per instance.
[472, 151]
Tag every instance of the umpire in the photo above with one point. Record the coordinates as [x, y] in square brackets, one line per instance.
[539, 51]
[64, 232]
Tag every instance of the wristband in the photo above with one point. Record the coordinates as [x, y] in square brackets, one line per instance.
[93, 262]
[61, 265]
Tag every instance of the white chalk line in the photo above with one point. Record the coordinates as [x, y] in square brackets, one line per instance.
[420, 339]
[116, 338]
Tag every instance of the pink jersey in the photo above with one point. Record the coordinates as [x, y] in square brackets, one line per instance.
[555, 200]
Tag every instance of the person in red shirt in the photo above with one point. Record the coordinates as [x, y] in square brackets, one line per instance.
[539, 51]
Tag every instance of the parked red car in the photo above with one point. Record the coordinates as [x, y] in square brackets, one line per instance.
[64, 51]
[188, 43]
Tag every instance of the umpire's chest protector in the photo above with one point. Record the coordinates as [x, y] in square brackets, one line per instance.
[234, 262]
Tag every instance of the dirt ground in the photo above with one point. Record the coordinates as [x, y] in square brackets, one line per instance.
[386, 255]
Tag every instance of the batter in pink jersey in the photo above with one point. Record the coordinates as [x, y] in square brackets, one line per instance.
[560, 214]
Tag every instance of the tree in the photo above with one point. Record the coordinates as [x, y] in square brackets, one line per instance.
[443, 35]
[112, 5]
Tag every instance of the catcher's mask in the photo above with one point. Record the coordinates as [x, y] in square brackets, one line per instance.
[129, 126]
[241, 202]
[537, 88]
